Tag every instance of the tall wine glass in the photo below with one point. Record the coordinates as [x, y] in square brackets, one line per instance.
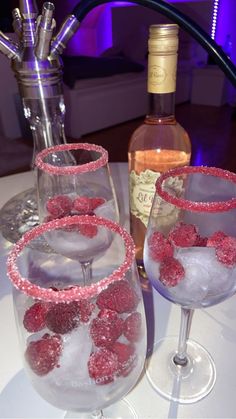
[83, 347]
[84, 187]
[190, 258]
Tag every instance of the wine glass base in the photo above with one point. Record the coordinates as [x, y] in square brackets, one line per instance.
[119, 410]
[184, 384]
[19, 215]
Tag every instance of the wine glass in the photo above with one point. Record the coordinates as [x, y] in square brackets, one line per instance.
[83, 346]
[190, 258]
[82, 186]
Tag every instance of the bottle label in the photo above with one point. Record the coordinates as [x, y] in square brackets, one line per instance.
[142, 189]
[162, 73]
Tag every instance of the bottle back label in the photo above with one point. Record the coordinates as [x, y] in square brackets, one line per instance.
[142, 190]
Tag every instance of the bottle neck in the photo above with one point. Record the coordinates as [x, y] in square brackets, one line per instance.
[161, 86]
[161, 106]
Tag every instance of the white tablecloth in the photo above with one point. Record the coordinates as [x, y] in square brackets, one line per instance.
[214, 328]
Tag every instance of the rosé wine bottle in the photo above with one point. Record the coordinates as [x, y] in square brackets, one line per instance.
[160, 143]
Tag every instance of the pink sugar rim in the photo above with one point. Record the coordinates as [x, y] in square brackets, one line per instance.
[192, 205]
[77, 292]
[71, 170]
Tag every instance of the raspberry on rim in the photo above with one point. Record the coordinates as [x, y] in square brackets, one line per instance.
[73, 293]
[71, 170]
[192, 205]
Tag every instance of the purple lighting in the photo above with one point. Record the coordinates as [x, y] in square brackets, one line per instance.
[226, 27]
[95, 33]
[214, 18]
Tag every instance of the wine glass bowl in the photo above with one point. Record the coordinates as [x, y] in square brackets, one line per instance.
[74, 179]
[190, 259]
[83, 347]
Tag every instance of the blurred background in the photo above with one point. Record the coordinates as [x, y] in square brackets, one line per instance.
[105, 82]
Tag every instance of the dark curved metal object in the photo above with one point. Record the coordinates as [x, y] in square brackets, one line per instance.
[214, 50]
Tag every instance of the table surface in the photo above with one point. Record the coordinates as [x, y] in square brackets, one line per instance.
[214, 328]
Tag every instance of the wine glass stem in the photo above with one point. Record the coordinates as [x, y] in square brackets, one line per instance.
[87, 271]
[186, 319]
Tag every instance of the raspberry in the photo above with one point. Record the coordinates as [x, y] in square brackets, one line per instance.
[62, 317]
[105, 332]
[105, 313]
[34, 318]
[43, 355]
[126, 357]
[171, 272]
[119, 296]
[159, 246]
[103, 365]
[132, 327]
[96, 202]
[85, 309]
[59, 206]
[82, 205]
[201, 241]
[88, 230]
[226, 251]
[216, 239]
[183, 235]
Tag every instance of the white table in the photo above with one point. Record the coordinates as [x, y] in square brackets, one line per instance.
[214, 328]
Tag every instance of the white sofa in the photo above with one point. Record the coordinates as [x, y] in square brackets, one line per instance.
[94, 104]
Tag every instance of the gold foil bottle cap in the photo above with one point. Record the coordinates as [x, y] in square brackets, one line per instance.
[163, 39]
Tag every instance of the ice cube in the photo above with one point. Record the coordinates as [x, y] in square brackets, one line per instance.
[222, 278]
[69, 386]
[76, 350]
[203, 256]
[203, 274]
[205, 280]
[194, 287]
[72, 373]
